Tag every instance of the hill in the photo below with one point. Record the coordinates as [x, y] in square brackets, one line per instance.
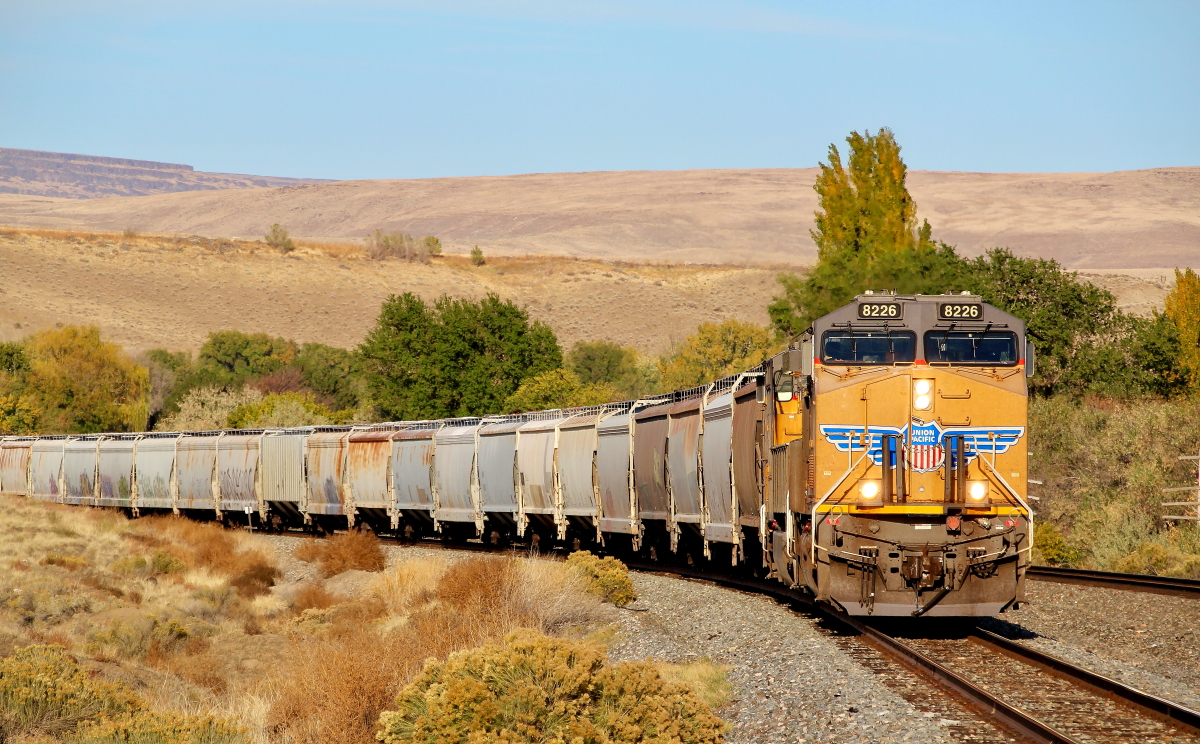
[70, 176]
[1146, 219]
[154, 291]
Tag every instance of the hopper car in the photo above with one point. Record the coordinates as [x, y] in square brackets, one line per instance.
[878, 462]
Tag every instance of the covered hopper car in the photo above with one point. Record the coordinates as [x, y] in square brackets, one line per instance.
[879, 462]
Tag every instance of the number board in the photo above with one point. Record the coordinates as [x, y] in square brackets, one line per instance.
[880, 310]
[960, 311]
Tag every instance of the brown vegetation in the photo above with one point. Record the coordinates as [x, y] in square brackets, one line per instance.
[355, 549]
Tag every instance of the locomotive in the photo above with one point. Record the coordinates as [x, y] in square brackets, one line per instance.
[878, 462]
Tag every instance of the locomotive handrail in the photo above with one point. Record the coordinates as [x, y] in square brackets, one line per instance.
[819, 504]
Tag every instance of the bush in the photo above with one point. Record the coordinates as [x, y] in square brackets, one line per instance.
[539, 689]
[44, 692]
[607, 577]
[477, 257]
[162, 728]
[1151, 558]
[381, 245]
[278, 238]
[207, 408]
[607, 363]
[558, 388]
[280, 410]
[356, 549]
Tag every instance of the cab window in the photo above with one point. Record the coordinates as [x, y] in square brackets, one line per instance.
[993, 348]
[868, 347]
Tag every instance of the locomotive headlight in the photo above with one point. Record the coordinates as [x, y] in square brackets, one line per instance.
[922, 394]
[870, 492]
[977, 492]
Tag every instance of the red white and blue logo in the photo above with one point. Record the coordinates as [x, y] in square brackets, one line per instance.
[925, 441]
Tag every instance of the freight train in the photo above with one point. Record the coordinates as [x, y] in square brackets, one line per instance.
[879, 462]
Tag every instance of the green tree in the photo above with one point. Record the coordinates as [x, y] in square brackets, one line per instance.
[608, 363]
[278, 237]
[333, 373]
[558, 388]
[456, 358]
[477, 257]
[82, 384]
[715, 351]
[866, 235]
[1183, 308]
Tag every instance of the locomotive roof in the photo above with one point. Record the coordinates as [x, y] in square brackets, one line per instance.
[919, 312]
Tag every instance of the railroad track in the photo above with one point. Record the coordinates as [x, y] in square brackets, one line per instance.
[1038, 697]
[1017, 689]
[1134, 582]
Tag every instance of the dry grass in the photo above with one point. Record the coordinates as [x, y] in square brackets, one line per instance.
[365, 651]
[709, 681]
[345, 551]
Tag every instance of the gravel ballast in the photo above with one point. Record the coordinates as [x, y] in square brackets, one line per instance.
[791, 681]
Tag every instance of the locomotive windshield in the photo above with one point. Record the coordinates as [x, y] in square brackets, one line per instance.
[868, 347]
[993, 348]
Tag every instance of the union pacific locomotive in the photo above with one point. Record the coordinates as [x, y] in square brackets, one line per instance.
[878, 462]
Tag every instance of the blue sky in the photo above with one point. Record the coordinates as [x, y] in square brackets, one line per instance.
[419, 88]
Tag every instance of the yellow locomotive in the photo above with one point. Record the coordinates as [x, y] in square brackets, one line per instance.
[897, 471]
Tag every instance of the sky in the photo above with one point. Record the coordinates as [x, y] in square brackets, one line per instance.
[423, 88]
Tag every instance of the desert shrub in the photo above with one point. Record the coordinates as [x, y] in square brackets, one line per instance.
[164, 563]
[312, 597]
[161, 728]
[278, 238]
[1104, 464]
[130, 564]
[709, 681]
[130, 640]
[477, 257]
[607, 577]
[1160, 560]
[69, 562]
[405, 247]
[1051, 547]
[356, 549]
[534, 688]
[44, 692]
[200, 545]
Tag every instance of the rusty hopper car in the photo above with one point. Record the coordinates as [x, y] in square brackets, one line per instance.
[878, 462]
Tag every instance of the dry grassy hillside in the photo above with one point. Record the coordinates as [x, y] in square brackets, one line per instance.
[1125, 220]
[148, 291]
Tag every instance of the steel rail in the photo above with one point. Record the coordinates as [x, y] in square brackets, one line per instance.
[1153, 705]
[1133, 582]
[1007, 717]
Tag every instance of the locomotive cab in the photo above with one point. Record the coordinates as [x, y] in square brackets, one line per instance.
[896, 482]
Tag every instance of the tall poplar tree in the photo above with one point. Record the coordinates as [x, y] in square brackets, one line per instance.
[866, 234]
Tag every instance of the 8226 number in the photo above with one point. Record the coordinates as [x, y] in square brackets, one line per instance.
[947, 311]
[879, 310]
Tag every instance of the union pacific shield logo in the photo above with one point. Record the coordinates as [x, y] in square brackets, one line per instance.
[925, 447]
[924, 441]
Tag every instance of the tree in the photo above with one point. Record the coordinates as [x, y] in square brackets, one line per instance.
[332, 373]
[1183, 308]
[456, 358]
[477, 257]
[607, 363]
[280, 409]
[81, 384]
[278, 238]
[715, 351]
[558, 388]
[867, 237]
